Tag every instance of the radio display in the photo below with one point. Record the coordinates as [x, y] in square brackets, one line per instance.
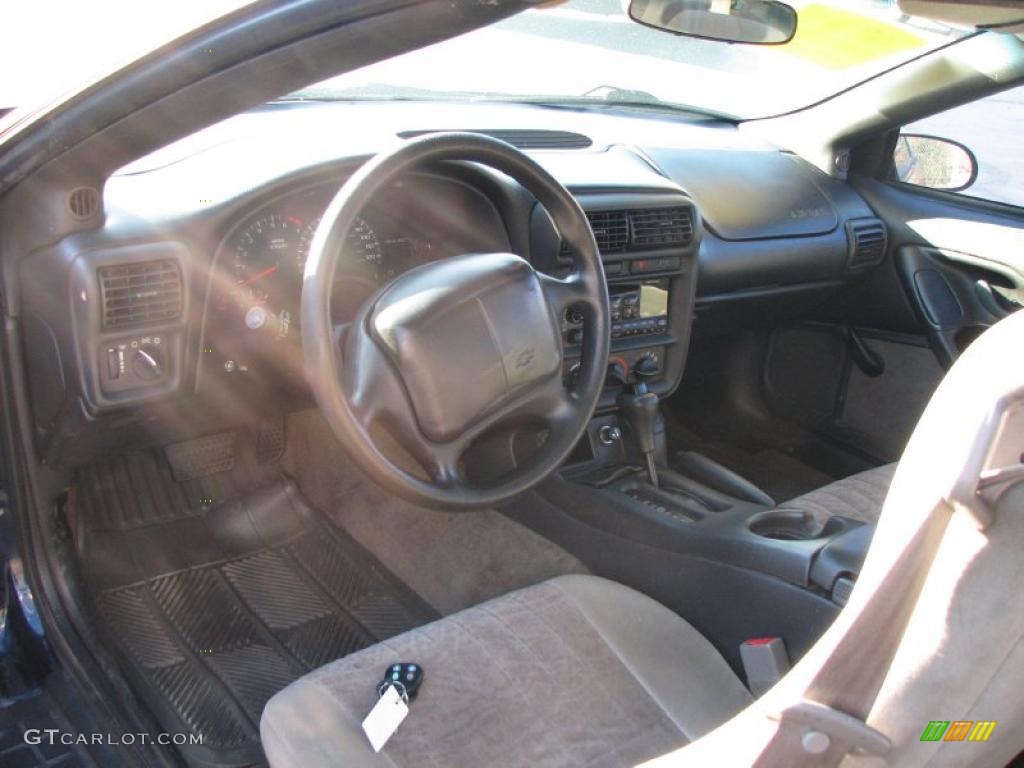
[653, 301]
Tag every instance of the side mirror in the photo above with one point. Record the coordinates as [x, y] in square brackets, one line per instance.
[761, 22]
[935, 163]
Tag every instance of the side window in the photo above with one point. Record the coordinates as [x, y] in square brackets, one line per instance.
[975, 150]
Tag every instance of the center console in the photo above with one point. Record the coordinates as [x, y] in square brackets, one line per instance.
[648, 243]
[626, 490]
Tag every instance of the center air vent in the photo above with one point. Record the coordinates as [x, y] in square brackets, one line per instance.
[525, 138]
[140, 293]
[661, 227]
[866, 238]
[639, 229]
[611, 230]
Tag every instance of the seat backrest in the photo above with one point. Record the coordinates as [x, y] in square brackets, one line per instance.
[934, 630]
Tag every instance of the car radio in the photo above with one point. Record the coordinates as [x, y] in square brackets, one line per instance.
[636, 310]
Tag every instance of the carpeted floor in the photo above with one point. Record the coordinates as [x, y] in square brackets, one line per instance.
[451, 559]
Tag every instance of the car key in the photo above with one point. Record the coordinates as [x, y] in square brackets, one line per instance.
[405, 676]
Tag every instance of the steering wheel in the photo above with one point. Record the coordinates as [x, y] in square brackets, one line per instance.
[453, 349]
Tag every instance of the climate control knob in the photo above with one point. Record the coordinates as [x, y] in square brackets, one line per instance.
[646, 368]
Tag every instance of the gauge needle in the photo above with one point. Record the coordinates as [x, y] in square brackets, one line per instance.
[260, 275]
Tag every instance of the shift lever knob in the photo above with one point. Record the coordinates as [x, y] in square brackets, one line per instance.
[640, 410]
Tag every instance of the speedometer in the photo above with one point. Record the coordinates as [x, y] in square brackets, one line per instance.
[362, 250]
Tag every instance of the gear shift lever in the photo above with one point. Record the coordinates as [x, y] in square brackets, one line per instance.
[640, 410]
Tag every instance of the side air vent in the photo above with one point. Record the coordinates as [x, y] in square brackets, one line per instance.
[83, 202]
[526, 138]
[661, 227]
[866, 239]
[140, 293]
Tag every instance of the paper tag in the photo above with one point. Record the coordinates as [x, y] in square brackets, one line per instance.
[384, 719]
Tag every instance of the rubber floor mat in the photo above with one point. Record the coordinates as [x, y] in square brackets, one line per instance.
[39, 713]
[216, 610]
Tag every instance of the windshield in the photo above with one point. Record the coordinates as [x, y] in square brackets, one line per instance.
[589, 51]
[54, 47]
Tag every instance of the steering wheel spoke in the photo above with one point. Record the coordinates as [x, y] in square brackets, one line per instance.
[445, 469]
[565, 292]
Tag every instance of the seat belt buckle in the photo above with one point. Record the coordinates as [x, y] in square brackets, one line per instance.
[765, 662]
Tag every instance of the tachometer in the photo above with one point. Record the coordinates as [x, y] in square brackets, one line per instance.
[264, 256]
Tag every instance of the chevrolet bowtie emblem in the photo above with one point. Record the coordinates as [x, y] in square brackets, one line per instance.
[525, 358]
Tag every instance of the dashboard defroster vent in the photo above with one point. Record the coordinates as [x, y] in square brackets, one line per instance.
[660, 227]
[866, 239]
[525, 138]
[141, 293]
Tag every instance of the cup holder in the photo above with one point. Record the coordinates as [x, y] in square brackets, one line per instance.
[794, 525]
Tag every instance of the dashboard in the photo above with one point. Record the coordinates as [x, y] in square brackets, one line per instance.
[180, 315]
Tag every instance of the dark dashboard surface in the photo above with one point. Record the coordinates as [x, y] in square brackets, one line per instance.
[230, 213]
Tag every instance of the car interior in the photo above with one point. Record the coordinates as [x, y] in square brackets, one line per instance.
[580, 410]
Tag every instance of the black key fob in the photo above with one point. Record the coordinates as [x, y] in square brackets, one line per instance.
[406, 676]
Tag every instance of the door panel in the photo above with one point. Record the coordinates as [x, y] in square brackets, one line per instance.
[960, 261]
[956, 299]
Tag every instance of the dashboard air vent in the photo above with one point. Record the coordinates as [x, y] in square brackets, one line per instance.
[866, 238]
[611, 230]
[524, 139]
[661, 227]
[83, 202]
[140, 293]
[640, 229]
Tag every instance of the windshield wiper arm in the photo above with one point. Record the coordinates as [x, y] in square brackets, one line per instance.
[579, 103]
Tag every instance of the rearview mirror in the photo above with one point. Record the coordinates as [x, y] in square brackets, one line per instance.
[929, 161]
[761, 22]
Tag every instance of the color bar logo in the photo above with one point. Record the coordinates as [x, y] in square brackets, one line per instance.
[958, 730]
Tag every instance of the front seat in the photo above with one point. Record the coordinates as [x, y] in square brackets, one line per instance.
[577, 670]
[859, 497]
[581, 671]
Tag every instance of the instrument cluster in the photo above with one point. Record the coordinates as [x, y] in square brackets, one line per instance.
[254, 302]
[259, 278]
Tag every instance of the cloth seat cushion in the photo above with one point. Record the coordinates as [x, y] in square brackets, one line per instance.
[577, 670]
[859, 496]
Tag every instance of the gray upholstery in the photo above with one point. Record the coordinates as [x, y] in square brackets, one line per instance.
[961, 656]
[574, 671]
[859, 496]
